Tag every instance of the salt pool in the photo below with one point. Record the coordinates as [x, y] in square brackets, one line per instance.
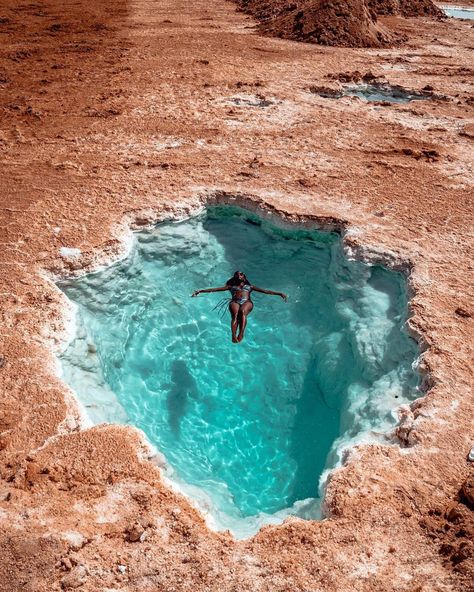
[458, 12]
[248, 430]
[376, 92]
[391, 94]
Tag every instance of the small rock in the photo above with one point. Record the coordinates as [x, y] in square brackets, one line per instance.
[468, 131]
[122, 568]
[136, 534]
[305, 182]
[446, 549]
[468, 491]
[462, 312]
[464, 552]
[66, 563]
[430, 155]
[453, 513]
[75, 540]
[3, 361]
[5, 495]
[325, 92]
[405, 430]
[75, 578]
[369, 77]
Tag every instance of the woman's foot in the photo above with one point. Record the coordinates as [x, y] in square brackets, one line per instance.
[240, 337]
[235, 339]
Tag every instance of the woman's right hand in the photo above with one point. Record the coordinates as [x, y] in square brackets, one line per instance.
[195, 293]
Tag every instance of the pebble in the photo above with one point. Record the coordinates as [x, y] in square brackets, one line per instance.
[66, 563]
[136, 534]
[5, 495]
[75, 578]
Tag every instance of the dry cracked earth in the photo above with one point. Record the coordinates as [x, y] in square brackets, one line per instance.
[116, 114]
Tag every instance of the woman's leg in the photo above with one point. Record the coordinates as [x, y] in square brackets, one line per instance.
[245, 309]
[234, 308]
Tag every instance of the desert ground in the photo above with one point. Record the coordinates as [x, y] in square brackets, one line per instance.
[118, 114]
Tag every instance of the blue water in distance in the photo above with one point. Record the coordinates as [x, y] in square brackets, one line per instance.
[247, 429]
[459, 13]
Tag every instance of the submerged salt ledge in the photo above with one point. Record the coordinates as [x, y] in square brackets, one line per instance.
[99, 404]
[366, 415]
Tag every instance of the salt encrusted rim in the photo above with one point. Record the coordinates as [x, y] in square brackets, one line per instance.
[121, 242]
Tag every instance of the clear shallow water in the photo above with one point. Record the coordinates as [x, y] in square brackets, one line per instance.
[247, 429]
[371, 92]
[459, 13]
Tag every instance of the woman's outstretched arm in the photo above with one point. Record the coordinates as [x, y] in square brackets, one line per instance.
[271, 292]
[196, 292]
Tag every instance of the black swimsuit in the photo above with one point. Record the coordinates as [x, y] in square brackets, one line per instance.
[240, 299]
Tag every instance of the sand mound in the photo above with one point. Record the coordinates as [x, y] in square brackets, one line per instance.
[405, 8]
[345, 23]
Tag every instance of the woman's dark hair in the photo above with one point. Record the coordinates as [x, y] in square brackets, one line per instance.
[236, 281]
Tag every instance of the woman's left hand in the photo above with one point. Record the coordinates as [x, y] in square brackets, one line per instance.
[284, 296]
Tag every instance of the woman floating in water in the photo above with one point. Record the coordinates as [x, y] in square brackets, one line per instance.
[240, 304]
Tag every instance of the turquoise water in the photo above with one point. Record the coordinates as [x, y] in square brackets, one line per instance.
[370, 92]
[246, 429]
[459, 13]
[373, 92]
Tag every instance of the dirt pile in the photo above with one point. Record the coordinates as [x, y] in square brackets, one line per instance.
[344, 23]
[452, 529]
[406, 8]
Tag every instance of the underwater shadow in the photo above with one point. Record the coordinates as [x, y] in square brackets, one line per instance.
[318, 412]
[183, 387]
